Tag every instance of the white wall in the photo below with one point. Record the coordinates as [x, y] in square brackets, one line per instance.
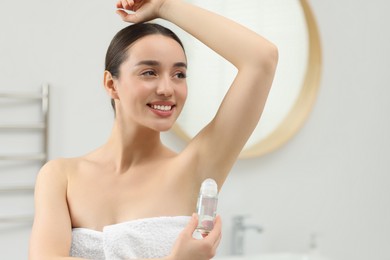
[331, 179]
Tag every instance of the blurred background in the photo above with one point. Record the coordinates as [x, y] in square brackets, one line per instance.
[331, 181]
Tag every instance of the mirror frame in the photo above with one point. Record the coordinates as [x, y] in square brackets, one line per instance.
[302, 107]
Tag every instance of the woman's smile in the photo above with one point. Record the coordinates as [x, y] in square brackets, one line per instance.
[162, 108]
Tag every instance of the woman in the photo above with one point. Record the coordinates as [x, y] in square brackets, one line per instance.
[132, 197]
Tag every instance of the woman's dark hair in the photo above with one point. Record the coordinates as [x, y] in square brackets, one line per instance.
[117, 50]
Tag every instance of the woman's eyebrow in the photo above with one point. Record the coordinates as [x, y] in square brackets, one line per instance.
[180, 64]
[156, 63]
[148, 63]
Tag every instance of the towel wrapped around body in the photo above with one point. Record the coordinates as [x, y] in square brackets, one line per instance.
[141, 238]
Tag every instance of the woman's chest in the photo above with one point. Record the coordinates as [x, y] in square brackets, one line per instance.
[100, 199]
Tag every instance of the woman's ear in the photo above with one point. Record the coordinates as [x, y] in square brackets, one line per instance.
[110, 85]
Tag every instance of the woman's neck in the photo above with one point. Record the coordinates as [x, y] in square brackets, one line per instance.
[129, 146]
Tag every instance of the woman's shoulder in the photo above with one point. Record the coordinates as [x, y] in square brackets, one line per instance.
[59, 169]
[61, 164]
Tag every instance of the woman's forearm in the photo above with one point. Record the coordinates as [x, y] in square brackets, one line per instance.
[240, 45]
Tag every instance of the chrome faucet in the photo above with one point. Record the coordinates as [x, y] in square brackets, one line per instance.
[238, 233]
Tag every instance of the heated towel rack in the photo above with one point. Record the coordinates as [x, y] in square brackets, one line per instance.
[43, 97]
[41, 157]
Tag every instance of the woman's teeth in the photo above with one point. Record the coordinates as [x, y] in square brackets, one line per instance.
[162, 108]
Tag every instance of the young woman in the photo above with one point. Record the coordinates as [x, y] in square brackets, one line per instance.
[132, 198]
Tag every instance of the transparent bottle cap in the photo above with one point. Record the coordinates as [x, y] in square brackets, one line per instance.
[209, 187]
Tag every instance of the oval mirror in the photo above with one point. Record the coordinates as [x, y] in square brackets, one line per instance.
[291, 26]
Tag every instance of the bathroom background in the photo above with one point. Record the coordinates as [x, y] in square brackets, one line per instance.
[331, 180]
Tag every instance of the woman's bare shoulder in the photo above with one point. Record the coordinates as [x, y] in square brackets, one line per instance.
[59, 169]
[61, 165]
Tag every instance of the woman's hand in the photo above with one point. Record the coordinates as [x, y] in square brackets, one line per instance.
[141, 10]
[189, 248]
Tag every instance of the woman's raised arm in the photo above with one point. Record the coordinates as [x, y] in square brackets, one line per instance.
[218, 145]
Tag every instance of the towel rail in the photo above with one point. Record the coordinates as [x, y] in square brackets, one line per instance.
[32, 126]
[20, 188]
[27, 96]
[41, 157]
[16, 219]
[45, 113]
[24, 157]
[42, 126]
[30, 96]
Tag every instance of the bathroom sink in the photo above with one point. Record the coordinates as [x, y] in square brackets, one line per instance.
[275, 256]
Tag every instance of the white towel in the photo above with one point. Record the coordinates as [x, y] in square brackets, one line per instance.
[141, 238]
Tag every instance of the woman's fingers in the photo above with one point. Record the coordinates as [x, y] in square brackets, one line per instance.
[122, 14]
[124, 4]
[129, 4]
[132, 5]
[216, 234]
[189, 247]
[191, 226]
[141, 10]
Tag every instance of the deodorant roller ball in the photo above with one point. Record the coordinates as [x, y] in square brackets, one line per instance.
[207, 206]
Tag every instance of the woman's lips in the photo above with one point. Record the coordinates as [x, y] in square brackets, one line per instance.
[162, 109]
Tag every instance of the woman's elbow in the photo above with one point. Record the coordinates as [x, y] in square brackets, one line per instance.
[264, 57]
[274, 52]
[268, 57]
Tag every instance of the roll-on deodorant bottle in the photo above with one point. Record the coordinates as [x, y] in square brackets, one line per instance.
[207, 206]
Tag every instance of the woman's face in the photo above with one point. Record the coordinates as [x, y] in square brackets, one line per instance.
[152, 86]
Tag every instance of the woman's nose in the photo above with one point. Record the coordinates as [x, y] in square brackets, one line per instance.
[165, 88]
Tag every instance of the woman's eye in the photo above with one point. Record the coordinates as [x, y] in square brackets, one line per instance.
[180, 75]
[148, 73]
